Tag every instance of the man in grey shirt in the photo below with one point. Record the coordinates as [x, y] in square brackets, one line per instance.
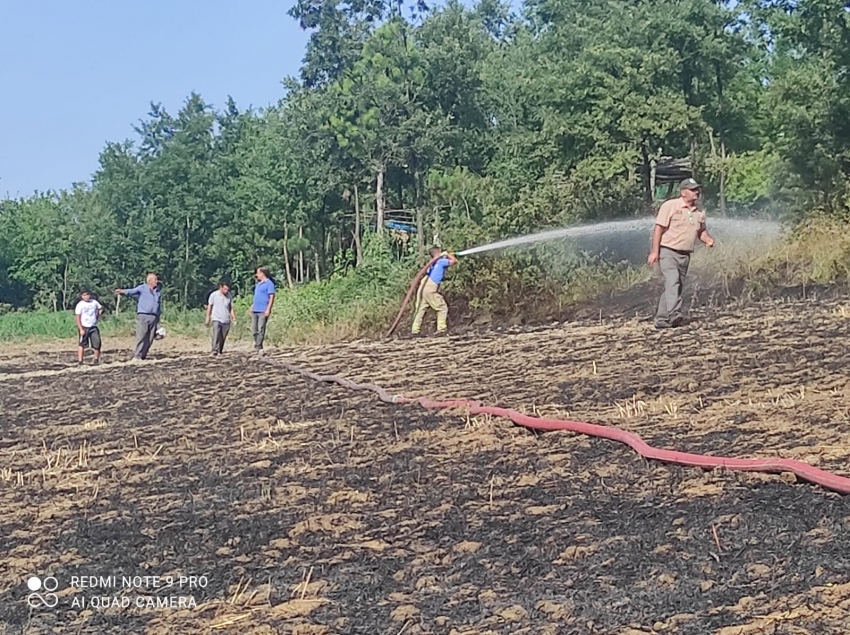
[148, 310]
[220, 313]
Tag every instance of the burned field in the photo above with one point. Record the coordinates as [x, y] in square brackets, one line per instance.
[310, 509]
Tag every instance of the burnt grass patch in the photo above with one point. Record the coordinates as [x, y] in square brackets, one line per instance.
[312, 509]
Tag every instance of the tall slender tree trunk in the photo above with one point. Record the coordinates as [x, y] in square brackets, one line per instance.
[286, 255]
[721, 161]
[325, 246]
[420, 215]
[645, 173]
[338, 244]
[65, 286]
[358, 245]
[186, 268]
[301, 256]
[722, 175]
[694, 173]
[379, 198]
[653, 164]
[316, 263]
[722, 134]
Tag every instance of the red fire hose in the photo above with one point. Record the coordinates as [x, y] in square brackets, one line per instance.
[803, 470]
[410, 292]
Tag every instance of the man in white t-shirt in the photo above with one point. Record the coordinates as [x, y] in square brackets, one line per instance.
[87, 311]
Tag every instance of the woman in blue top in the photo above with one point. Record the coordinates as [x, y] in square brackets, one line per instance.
[429, 292]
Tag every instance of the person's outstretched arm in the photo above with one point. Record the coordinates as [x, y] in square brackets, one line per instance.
[135, 291]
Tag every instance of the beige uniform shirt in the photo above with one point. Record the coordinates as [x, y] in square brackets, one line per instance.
[682, 224]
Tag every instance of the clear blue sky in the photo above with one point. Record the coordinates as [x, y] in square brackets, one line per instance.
[75, 74]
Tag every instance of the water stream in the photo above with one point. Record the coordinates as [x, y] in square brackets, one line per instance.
[629, 239]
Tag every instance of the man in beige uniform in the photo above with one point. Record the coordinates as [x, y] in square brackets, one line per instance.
[677, 227]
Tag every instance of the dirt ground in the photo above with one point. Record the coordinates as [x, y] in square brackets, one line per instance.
[307, 509]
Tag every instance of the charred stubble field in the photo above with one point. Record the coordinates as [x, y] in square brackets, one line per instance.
[311, 509]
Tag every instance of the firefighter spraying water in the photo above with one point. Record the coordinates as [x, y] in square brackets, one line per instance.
[428, 293]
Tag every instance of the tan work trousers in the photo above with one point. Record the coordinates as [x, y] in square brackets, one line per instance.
[429, 296]
[674, 268]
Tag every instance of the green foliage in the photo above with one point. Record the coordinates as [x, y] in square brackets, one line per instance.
[751, 176]
[22, 325]
[45, 324]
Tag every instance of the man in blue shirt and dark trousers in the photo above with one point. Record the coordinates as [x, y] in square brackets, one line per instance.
[261, 308]
[148, 310]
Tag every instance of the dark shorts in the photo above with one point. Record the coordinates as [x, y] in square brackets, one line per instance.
[91, 337]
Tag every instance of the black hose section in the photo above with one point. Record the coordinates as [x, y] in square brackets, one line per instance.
[410, 291]
[382, 393]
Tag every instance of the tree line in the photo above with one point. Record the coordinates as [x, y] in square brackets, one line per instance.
[465, 123]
